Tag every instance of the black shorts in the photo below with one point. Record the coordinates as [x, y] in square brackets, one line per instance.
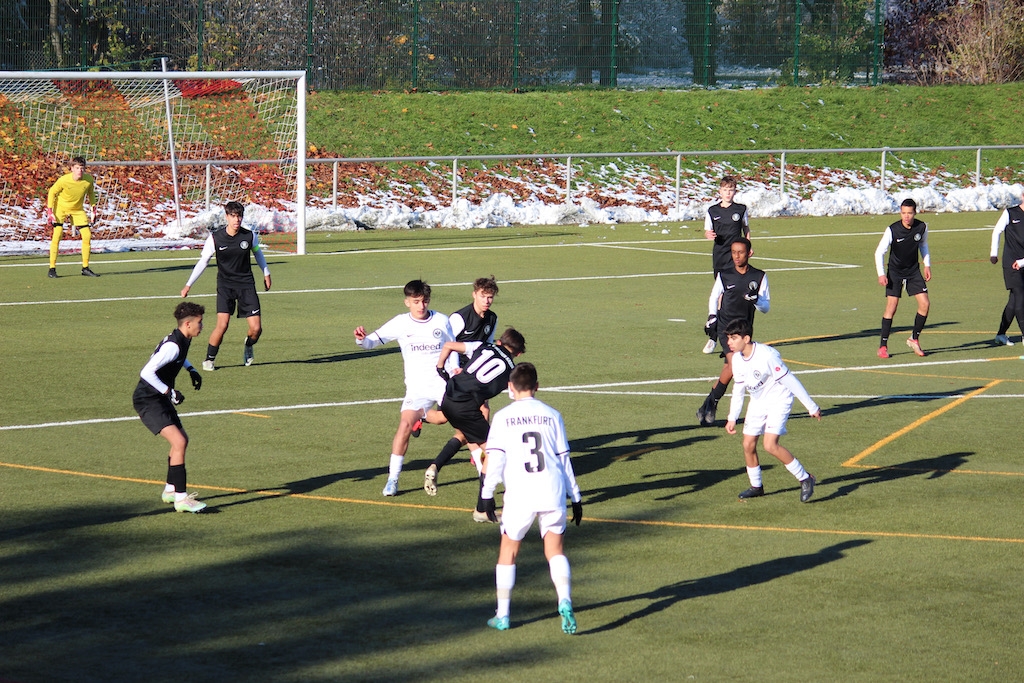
[1013, 279]
[245, 296]
[467, 418]
[156, 412]
[914, 282]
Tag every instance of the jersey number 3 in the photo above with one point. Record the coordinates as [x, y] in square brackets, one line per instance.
[535, 450]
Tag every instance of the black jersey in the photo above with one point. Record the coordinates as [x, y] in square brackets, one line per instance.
[1013, 237]
[483, 377]
[728, 224]
[739, 295]
[904, 246]
[479, 328]
[234, 266]
[168, 373]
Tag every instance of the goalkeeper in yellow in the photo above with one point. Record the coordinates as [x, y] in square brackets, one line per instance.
[67, 199]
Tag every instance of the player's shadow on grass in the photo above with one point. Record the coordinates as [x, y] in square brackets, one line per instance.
[595, 453]
[934, 468]
[877, 401]
[297, 487]
[672, 484]
[862, 334]
[661, 599]
[341, 357]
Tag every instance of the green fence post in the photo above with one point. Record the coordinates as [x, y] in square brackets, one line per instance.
[613, 80]
[309, 38]
[82, 32]
[709, 8]
[515, 45]
[796, 41]
[200, 34]
[876, 57]
[415, 40]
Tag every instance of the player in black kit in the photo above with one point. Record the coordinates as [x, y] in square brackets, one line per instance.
[904, 239]
[484, 376]
[235, 283]
[155, 397]
[738, 292]
[725, 222]
[475, 322]
[1010, 224]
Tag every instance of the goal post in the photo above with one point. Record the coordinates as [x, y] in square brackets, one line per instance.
[232, 135]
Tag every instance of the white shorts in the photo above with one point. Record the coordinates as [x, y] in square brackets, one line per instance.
[516, 522]
[767, 416]
[418, 403]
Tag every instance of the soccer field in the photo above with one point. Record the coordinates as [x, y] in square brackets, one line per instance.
[904, 565]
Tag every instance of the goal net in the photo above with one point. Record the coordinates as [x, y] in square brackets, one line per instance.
[167, 149]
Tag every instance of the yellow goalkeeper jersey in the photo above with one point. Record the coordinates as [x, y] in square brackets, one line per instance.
[67, 195]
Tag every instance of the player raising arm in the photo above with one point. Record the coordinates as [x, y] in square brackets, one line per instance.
[421, 333]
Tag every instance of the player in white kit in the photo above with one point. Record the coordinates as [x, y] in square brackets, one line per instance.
[527, 449]
[421, 333]
[758, 370]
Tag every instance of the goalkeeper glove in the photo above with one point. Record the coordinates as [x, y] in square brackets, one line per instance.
[176, 396]
[444, 374]
[711, 326]
[197, 379]
[489, 508]
[577, 513]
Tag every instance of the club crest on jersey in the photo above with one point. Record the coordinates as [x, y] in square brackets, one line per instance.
[437, 333]
[244, 244]
[487, 329]
[917, 238]
[735, 216]
[752, 286]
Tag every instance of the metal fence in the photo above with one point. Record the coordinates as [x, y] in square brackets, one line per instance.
[437, 44]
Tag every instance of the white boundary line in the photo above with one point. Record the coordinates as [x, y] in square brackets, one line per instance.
[606, 388]
[327, 290]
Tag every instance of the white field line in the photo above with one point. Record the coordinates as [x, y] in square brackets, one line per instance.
[607, 388]
[356, 252]
[327, 290]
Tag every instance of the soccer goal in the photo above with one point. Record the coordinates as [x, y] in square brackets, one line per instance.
[168, 149]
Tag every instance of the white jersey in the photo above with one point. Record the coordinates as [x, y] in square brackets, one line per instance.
[421, 342]
[766, 378]
[528, 450]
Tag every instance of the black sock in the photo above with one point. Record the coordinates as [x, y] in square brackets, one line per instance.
[717, 392]
[480, 495]
[211, 352]
[176, 476]
[918, 325]
[249, 341]
[886, 330]
[447, 453]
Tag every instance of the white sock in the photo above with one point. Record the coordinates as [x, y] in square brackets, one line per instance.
[476, 454]
[754, 474]
[168, 488]
[504, 581]
[560, 576]
[395, 467]
[797, 470]
[179, 496]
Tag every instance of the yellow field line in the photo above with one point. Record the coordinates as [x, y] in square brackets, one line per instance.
[266, 417]
[917, 423]
[600, 520]
[933, 469]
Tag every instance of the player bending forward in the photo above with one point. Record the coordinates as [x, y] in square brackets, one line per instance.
[528, 450]
[758, 369]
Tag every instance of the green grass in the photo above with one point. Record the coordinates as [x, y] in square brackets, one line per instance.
[901, 568]
[443, 124]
